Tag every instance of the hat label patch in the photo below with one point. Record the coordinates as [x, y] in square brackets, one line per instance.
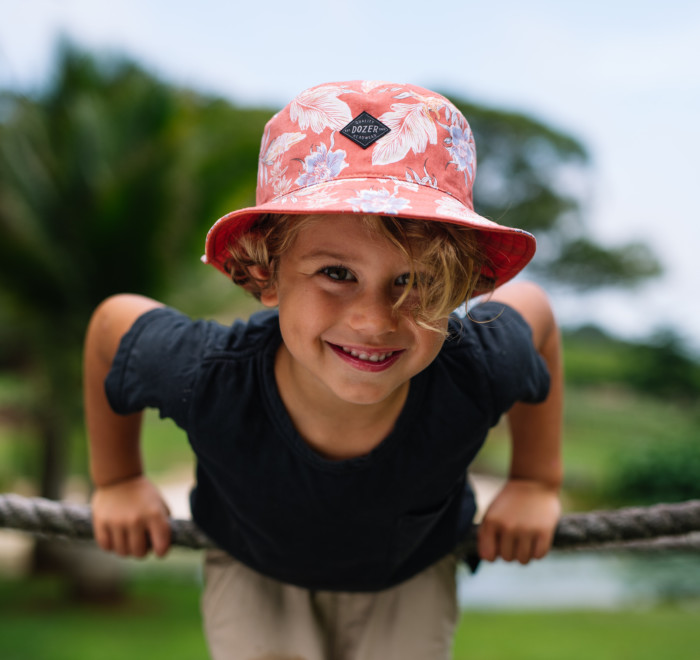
[364, 130]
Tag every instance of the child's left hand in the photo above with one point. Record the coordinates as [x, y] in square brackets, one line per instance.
[519, 524]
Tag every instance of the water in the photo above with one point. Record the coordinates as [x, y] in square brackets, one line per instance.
[584, 580]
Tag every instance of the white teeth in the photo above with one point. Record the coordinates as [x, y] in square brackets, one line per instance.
[375, 357]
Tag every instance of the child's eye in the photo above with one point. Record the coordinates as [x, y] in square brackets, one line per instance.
[338, 273]
[419, 278]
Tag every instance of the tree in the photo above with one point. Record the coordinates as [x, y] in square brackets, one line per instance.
[108, 182]
[535, 177]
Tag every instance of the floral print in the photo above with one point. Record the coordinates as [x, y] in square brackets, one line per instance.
[461, 147]
[424, 167]
[311, 199]
[378, 201]
[414, 125]
[322, 165]
[410, 129]
[370, 85]
[270, 167]
[279, 145]
[320, 108]
[417, 120]
[452, 207]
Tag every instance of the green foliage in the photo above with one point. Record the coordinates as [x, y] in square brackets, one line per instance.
[591, 357]
[582, 264]
[535, 177]
[662, 472]
[659, 367]
[662, 368]
[659, 461]
[605, 427]
[648, 443]
[109, 181]
[522, 166]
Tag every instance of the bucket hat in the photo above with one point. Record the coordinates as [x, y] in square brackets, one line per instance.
[372, 147]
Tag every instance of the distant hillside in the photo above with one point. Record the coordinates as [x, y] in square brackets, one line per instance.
[660, 367]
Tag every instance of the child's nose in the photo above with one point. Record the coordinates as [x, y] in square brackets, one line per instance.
[373, 313]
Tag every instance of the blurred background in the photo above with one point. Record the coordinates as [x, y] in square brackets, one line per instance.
[126, 130]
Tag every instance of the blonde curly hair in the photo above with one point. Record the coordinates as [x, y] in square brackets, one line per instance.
[450, 255]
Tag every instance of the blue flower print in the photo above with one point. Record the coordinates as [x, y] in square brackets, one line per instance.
[378, 201]
[321, 165]
[460, 144]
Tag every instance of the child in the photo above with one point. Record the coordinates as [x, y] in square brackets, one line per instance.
[334, 430]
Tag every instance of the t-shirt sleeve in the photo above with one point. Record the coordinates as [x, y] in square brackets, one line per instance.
[514, 368]
[156, 365]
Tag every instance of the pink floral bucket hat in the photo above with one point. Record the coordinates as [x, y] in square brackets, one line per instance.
[372, 147]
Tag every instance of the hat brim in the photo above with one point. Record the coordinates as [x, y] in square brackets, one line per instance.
[508, 250]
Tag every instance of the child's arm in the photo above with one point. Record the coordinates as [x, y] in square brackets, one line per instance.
[129, 515]
[520, 523]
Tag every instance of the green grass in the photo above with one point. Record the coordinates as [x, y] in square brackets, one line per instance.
[160, 619]
[579, 635]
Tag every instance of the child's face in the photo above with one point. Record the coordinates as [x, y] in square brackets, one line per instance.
[343, 341]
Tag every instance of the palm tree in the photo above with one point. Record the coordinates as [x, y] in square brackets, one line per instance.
[106, 185]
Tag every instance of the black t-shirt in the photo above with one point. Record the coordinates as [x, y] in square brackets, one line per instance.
[272, 502]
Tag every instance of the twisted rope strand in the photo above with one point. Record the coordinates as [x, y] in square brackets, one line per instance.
[658, 527]
[48, 518]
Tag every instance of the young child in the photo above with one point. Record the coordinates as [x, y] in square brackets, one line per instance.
[333, 432]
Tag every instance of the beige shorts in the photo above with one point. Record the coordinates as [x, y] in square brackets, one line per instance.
[248, 616]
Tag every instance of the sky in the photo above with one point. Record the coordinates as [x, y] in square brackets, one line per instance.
[620, 76]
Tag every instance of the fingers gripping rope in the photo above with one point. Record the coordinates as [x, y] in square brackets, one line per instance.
[662, 526]
[48, 518]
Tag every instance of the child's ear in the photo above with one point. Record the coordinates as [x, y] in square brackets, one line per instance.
[268, 296]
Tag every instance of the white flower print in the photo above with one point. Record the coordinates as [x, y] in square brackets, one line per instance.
[412, 125]
[398, 183]
[450, 206]
[378, 201]
[318, 199]
[427, 180]
[280, 183]
[370, 85]
[411, 128]
[320, 108]
[433, 104]
[322, 165]
[279, 145]
[461, 146]
[270, 157]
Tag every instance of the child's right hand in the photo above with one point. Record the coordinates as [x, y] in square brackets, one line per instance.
[131, 518]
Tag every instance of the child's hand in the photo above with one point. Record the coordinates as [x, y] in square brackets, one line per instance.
[520, 523]
[131, 518]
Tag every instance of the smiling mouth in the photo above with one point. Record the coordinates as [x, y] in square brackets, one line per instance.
[367, 360]
[367, 357]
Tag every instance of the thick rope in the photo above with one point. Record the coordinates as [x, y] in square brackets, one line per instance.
[658, 527]
[47, 518]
